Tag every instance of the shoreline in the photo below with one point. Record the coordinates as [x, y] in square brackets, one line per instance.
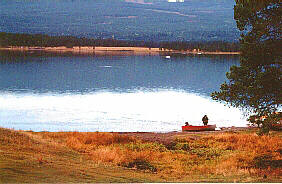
[85, 157]
[116, 50]
[175, 132]
[160, 137]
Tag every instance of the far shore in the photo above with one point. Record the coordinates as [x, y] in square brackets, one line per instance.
[116, 50]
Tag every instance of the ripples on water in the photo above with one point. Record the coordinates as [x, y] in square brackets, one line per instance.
[129, 93]
[159, 110]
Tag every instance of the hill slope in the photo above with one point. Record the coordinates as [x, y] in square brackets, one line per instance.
[236, 156]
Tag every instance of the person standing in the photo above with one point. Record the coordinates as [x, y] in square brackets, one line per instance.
[205, 120]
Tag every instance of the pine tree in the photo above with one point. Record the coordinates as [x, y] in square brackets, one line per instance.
[255, 85]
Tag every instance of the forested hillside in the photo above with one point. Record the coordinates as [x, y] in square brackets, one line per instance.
[40, 40]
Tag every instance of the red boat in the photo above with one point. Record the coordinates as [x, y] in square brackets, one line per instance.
[199, 128]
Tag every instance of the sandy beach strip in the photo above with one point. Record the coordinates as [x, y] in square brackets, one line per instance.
[115, 50]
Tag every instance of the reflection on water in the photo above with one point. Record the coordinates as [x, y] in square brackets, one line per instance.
[151, 1]
[175, 1]
[138, 1]
[60, 73]
[141, 110]
[111, 93]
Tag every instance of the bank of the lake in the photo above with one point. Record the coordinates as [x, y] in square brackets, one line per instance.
[117, 50]
[80, 157]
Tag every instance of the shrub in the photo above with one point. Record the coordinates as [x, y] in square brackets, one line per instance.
[141, 165]
[152, 146]
[182, 146]
[266, 161]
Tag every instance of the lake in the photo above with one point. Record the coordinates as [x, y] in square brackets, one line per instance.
[61, 92]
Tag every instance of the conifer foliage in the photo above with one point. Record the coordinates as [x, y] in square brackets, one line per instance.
[255, 85]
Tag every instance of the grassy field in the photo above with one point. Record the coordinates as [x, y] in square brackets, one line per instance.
[112, 157]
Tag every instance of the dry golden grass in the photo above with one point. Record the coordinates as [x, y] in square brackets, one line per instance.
[34, 157]
[248, 154]
[220, 157]
[225, 154]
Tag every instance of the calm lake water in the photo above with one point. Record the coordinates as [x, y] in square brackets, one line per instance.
[112, 93]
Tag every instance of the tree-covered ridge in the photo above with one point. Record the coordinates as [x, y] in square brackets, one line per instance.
[40, 40]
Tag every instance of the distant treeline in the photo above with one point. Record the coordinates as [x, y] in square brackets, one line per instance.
[40, 40]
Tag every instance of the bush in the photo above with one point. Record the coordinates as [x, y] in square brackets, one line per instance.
[139, 146]
[141, 165]
[265, 161]
[182, 146]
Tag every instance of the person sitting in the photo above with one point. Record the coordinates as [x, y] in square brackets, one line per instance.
[205, 120]
[186, 123]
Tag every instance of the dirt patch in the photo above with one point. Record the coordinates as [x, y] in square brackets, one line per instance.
[169, 137]
[165, 138]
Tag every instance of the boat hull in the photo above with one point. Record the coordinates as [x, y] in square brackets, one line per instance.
[199, 128]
